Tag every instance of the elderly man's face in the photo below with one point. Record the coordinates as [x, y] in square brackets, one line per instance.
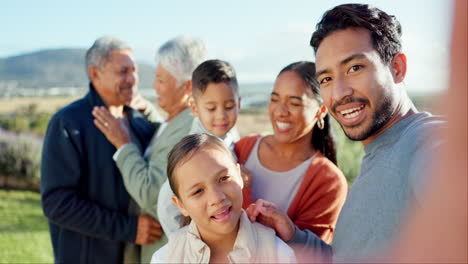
[116, 81]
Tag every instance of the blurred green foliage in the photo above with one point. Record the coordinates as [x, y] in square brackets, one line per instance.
[24, 234]
[349, 153]
[20, 159]
[26, 120]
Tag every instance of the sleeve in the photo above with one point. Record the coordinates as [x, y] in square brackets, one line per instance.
[142, 178]
[424, 161]
[242, 149]
[169, 215]
[323, 196]
[309, 245]
[160, 256]
[285, 254]
[61, 175]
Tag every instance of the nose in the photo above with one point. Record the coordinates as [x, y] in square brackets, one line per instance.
[221, 113]
[281, 109]
[132, 77]
[341, 89]
[216, 196]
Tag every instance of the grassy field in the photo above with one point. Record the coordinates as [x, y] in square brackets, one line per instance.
[24, 234]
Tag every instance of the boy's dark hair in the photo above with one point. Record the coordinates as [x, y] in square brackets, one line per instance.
[322, 139]
[213, 71]
[186, 148]
[385, 29]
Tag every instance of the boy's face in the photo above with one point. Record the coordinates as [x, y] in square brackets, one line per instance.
[210, 192]
[217, 108]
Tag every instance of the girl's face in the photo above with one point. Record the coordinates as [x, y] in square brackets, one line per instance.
[210, 192]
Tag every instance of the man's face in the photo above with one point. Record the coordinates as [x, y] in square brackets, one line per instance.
[169, 95]
[116, 81]
[356, 86]
[210, 192]
[217, 108]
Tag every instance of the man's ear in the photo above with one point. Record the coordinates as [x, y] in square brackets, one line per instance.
[93, 73]
[179, 205]
[399, 67]
[238, 103]
[193, 107]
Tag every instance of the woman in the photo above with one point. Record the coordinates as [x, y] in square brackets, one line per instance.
[295, 167]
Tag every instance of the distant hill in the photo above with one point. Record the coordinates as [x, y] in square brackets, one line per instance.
[54, 68]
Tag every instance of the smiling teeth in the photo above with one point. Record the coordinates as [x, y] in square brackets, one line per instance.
[350, 110]
[282, 125]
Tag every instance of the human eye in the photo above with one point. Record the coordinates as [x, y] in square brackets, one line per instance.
[293, 103]
[355, 68]
[224, 178]
[197, 192]
[229, 106]
[324, 80]
[273, 99]
[211, 109]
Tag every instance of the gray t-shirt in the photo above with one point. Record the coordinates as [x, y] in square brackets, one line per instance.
[394, 169]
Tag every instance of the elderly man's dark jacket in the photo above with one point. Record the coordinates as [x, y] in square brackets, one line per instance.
[83, 195]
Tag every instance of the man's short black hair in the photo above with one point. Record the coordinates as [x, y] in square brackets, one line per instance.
[385, 29]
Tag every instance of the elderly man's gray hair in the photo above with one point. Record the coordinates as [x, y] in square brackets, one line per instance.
[98, 54]
[180, 56]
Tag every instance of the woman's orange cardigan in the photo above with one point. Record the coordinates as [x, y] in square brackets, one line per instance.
[318, 200]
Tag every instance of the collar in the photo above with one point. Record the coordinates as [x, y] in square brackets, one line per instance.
[93, 97]
[244, 247]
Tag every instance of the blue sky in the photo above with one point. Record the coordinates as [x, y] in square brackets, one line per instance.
[257, 37]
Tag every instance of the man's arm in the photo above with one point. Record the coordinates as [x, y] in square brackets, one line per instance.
[269, 214]
[61, 175]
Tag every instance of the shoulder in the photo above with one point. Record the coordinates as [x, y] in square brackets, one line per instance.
[179, 127]
[174, 248]
[251, 139]
[421, 127]
[73, 111]
[160, 256]
[244, 146]
[326, 168]
[285, 253]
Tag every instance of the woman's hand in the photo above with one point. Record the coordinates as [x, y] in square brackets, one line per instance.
[269, 214]
[113, 128]
[138, 103]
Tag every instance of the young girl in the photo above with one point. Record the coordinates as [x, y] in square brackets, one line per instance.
[207, 187]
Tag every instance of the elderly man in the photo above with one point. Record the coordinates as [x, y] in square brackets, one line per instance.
[144, 174]
[361, 69]
[92, 218]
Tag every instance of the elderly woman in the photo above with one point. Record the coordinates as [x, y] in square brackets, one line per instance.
[144, 173]
[294, 169]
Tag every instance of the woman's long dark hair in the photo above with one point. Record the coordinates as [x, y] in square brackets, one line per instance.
[322, 139]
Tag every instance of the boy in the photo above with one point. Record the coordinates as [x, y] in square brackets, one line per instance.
[215, 105]
[207, 187]
[216, 101]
